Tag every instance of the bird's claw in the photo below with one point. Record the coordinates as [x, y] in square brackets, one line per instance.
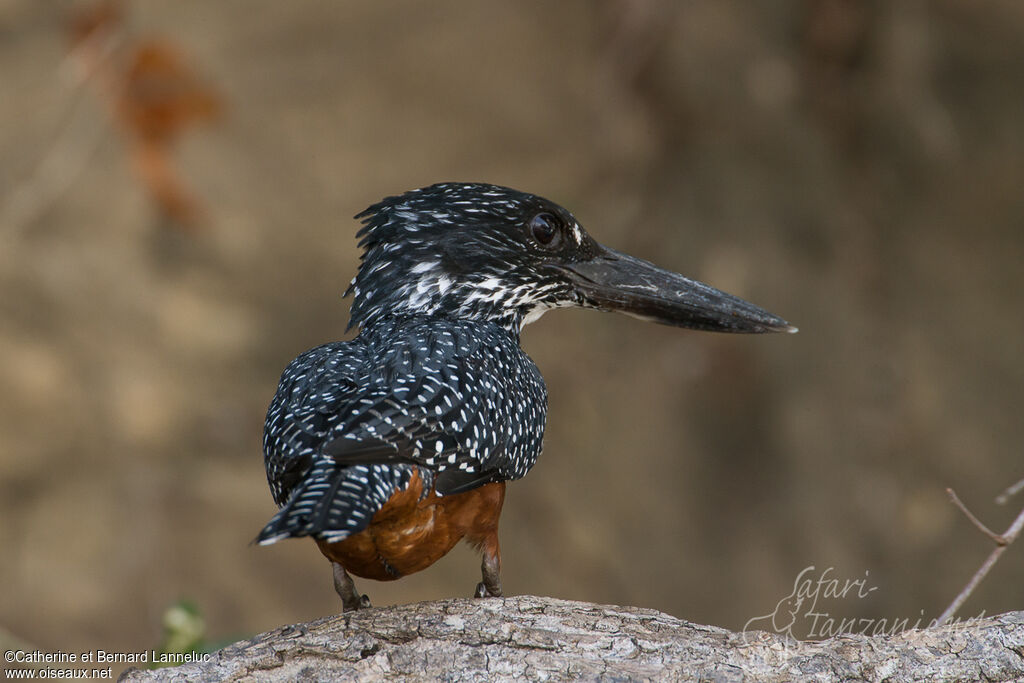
[483, 592]
[361, 602]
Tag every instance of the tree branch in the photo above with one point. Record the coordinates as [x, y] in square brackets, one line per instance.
[543, 638]
[1002, 542]
[1004, 497]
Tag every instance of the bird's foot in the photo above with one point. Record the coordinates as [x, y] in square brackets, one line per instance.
[490, 570]
[482, 591]
[360, 602]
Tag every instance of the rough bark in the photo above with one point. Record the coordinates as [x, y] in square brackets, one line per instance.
[529, 637]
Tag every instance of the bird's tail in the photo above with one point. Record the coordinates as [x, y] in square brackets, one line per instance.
[333, 502]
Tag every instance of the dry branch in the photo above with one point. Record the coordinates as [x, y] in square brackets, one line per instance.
[1002, 541]
[534, 638]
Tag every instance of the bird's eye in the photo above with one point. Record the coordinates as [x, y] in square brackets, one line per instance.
[544, 228]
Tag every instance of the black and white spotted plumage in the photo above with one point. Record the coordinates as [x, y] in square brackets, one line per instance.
[455, 399]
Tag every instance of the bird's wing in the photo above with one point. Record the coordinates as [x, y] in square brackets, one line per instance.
[310, 401]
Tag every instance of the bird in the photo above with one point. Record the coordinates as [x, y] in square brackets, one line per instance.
[390, 448]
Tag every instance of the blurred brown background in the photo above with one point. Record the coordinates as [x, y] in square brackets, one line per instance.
[856, 167]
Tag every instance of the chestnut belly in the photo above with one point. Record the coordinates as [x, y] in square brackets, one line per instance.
[409, 534]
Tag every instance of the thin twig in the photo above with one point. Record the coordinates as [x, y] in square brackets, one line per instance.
[1002, 542]
[74, 144]
[974, 520]
[1004, 497]
[59, 167]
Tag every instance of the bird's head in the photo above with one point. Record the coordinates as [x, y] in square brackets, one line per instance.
[484, 252]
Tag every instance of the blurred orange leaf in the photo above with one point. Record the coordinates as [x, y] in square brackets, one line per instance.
[154, 97]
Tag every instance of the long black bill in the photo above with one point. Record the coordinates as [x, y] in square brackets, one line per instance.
[615, 281]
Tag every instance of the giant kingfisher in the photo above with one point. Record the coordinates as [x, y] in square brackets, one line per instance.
[392, 447]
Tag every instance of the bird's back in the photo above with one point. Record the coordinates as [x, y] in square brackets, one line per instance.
[455, 401]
